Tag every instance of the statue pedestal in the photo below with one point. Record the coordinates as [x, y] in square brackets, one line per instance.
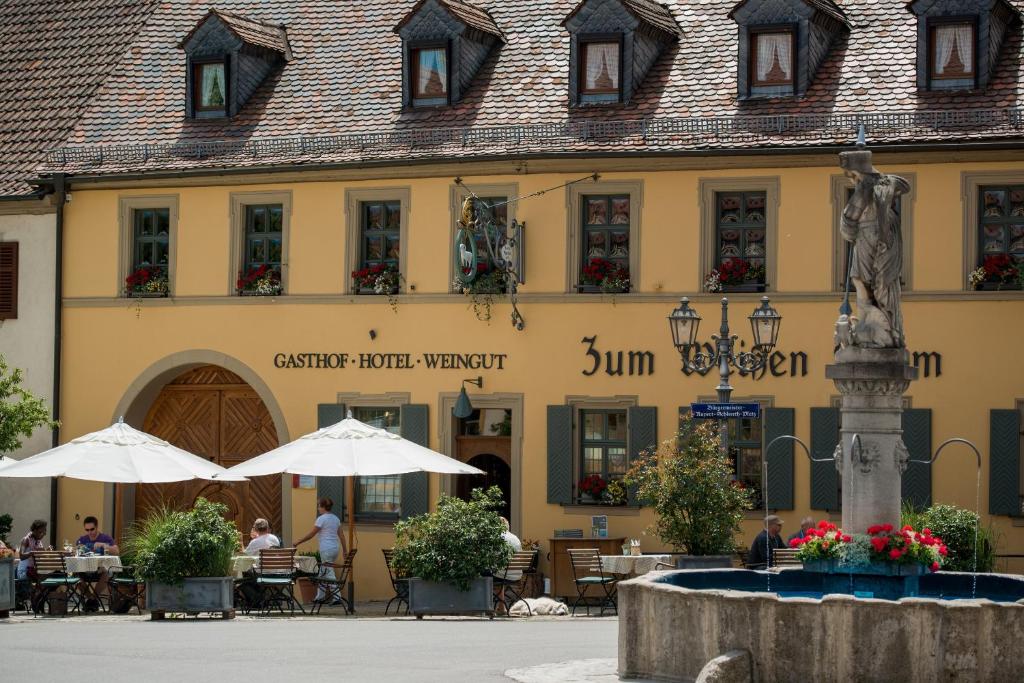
[872, 383]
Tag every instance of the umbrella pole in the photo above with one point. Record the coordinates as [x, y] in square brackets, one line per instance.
[350, 498]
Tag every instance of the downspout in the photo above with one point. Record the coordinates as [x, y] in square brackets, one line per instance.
[60, 193]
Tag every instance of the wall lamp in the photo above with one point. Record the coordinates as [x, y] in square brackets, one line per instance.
[463, 408]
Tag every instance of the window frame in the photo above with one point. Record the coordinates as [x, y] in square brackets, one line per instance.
[840, 185]
[603, 443]
[127, 205]
[1005, 224]
[195, 72]
[237, 255]
[971, 185]
[579, 405]
[266, 236]
[945, 83]
[354, 200]
[708, 191]
[772, 29]
[584, 95]
[15, 247]
[414, 48]
[375, 516]
[575, 198]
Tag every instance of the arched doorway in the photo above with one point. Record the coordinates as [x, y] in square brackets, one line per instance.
[496, 473]
[214, 413]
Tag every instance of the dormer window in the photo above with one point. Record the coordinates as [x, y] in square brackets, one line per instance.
[600, 70]
[952, 52]
[210, 88]
[429, 79]
[772, 57]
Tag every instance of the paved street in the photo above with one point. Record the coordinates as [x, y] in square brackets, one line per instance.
[105, 649]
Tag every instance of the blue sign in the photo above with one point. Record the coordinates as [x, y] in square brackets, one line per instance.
[718, 411]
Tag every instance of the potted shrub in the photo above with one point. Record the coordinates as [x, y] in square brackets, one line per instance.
[185, 559]
[689, 484]
[7, 566]
[956, 527]
[452, 553]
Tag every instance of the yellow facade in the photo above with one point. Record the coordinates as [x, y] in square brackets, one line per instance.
[112, 346]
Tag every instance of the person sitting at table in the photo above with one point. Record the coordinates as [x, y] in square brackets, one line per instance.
[765, 542]
[805, 524]
[261, 538]
[327, 529]
[510, 538]
[94, 541]
[32, 542]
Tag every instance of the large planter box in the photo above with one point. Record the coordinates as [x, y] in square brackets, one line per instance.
[7, 567]
[703, 561]
[429, 597]
[201, 594]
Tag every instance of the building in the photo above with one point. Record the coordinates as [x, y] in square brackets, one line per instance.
[48, 76]
[238, 165]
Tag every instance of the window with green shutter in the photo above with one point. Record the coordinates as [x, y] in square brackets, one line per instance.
[379, 497]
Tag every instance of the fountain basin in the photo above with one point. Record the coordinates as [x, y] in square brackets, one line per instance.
[672, 623]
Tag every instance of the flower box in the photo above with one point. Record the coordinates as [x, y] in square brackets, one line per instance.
[199, 594]
[148, 295]
[7, 566]
[251, 292]
[997, 286]
[430, 597]
[746, 287]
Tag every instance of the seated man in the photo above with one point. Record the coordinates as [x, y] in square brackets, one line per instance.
[766, 542]
[261, 538]
[103, 544]
[805, 524]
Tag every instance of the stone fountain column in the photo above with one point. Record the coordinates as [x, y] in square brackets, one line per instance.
[871, 368]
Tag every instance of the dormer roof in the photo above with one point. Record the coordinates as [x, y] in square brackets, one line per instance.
[248, 31]
[470, 15]
[826, 7]
[654, 15]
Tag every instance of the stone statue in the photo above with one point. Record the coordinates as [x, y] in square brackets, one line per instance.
[871, 225]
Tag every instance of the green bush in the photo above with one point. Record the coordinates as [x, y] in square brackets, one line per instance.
[169, 546]
[955, 526]
[689, 484]
[459, 542]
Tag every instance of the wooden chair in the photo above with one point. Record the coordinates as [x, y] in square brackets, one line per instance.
[275, 579]
[399, 584]
[126, 591]
[510, 583]
[53, 583]
[334, 588]
[588, 572]
[786, 557]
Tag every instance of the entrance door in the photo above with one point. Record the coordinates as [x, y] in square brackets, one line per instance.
[485, 441]
[213, 413]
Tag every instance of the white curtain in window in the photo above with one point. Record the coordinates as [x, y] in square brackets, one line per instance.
[602, 66]
[946, 37]
[433, 73]
[213, 85]
[772, 48]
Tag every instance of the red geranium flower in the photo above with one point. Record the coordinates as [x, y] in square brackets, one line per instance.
[894, 554]
[935, 566]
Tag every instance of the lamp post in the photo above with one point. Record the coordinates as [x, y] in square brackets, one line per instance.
[684, 323]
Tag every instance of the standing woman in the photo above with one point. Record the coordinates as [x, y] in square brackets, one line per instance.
[327, 529]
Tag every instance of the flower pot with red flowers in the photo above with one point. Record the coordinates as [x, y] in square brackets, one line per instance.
[591, 488]
[602, 275]
[882, 551]
[381, 278]
[996, 272]
[736, 275]
[260, 281]
[146, 282]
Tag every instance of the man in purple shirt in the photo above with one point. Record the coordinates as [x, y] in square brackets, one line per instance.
[94, 541]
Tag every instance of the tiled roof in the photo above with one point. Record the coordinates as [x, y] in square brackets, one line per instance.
[471, 15]
[255, 32]
[345, 79]
[653, 13]
[53, 56]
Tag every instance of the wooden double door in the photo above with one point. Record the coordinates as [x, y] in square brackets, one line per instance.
[213, 413]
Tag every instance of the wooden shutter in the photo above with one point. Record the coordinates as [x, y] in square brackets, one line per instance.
[560, 479]
[8, 280]
[779, 487]
[1004, 463]
[916, 483]
[331, 487]
[416, 485]
[824, 476]
[642, 423]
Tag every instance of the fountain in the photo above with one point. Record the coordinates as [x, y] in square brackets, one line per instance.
[860, 624]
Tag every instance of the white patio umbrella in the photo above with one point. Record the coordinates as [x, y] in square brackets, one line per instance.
[118, 454]
[351, 448]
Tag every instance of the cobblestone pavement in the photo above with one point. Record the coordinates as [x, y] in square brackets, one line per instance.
[363, 647]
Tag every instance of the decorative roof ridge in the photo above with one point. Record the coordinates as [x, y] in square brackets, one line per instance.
[466, 12]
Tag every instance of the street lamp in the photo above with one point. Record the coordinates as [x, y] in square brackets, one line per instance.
[764, 323]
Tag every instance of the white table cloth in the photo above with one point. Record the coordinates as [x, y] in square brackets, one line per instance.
[243, 563]
[632, 565]
[92, 563]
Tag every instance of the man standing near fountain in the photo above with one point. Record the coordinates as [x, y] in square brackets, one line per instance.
[871, 369]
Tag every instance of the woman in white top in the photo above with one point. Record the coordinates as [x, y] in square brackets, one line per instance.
[327, 529]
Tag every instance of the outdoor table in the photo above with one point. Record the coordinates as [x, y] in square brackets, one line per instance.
[87, 564]
[632, 565]
[243, 563]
